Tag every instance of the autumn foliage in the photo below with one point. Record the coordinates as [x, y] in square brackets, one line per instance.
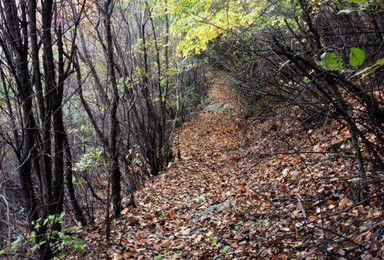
[191, 129]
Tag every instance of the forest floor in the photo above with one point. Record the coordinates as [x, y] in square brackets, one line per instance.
[226, 200]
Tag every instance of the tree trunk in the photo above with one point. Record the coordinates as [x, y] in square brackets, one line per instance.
[69, 181]
[113, 122]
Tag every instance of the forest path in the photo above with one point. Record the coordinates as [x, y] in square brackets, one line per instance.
[239, 192]
[188, 211]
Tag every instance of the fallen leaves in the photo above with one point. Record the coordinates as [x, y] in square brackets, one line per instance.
[172, 214]
[218, 203]
[132, 220]
[165, 243]
[345, 203]
[124, 211]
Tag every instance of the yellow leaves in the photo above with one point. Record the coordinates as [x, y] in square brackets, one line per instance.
[175, 9]
[207, 6]
[277, 21]
[199, 23]
[195, 41]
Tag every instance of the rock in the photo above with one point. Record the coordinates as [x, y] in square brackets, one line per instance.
[217, 208]
[218, 107]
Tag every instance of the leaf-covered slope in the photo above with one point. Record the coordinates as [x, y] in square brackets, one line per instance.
[240, 193]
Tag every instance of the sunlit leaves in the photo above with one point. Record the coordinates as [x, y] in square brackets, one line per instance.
[334, 62]
[356, 56]
[359, 2]
[199, 22]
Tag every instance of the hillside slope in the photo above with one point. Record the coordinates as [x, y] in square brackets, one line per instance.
[241, 192]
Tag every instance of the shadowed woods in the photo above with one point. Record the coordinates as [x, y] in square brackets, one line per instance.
[191, 129]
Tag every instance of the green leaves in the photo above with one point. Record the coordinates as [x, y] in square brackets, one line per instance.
[66, 238]
[90, 160]
[332, 62]
[200, 199]
[356, 57]
[359, 2]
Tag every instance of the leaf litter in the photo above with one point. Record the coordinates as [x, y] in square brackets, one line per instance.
[243, 191]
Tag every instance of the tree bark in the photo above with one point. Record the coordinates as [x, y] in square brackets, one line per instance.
[114, 169]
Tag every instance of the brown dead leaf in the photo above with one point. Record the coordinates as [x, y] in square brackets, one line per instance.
[172, 214]
[132, 220]
[124, 211]
[165, 243]
[149, 216]
[345, 202]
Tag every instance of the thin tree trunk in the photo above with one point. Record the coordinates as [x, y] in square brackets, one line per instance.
[49, 75]
[113, 127]
[20, 64]
[69, 182]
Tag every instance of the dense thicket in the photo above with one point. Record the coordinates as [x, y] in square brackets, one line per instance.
[90, 93]
[322, 58]
[310, 67]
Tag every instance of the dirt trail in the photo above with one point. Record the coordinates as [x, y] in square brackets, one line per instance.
[186, 212]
